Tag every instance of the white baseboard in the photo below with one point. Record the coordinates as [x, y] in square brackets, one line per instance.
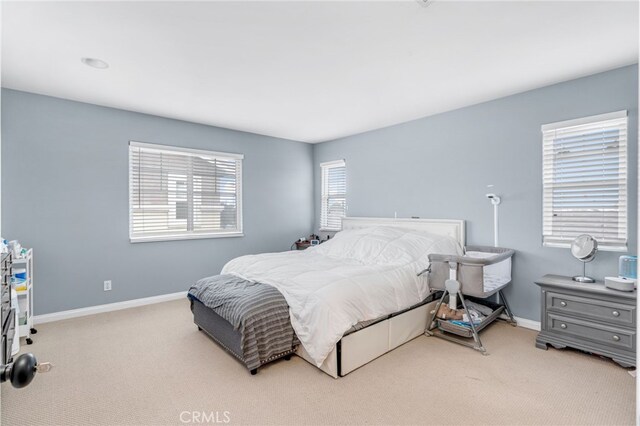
[527, 323]
[92, 310]
[110, 307]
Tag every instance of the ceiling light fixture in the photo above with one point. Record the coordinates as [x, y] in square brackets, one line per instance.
[95, 63]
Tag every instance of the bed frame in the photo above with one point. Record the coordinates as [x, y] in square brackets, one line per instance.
[360, 347]
[357, 348]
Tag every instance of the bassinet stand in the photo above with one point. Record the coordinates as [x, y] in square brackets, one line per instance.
[452, 288]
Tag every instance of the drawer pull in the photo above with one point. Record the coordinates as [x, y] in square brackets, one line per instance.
[616, 338]
[563, 304]
[563, 325]
[616, 313]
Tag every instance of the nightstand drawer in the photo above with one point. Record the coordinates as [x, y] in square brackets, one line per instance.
[600, 310]
[586, 330]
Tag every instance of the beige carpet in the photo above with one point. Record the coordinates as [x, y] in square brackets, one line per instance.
[148, 365]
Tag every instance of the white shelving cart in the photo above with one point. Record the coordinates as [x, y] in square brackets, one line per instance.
[22, 280]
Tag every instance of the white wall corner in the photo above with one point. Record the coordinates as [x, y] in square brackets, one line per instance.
[527, 323]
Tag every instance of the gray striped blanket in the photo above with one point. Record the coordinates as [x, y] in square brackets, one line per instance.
[258, 311]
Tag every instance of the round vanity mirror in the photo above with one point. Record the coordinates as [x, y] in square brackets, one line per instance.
[584, 248]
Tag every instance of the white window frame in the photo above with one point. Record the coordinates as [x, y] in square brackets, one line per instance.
[188, 235]
[324, 198]
[553, 131]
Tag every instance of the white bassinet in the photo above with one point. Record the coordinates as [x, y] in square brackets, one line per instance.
[482, 271]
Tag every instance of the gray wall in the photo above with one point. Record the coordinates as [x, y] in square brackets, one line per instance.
[74, 212]
[439, 167]
[65, 193]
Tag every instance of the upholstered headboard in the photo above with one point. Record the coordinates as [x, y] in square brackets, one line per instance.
[450, 227]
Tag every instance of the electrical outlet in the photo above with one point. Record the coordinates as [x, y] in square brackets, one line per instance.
[107, 285]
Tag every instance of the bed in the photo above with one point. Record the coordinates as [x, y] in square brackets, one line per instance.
[350, 300]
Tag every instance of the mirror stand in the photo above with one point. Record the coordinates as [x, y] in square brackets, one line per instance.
[584, 278]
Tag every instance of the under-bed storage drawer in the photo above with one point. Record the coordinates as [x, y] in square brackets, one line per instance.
[366, 345]
[375, 340]
[409, 325]
[597, 333]
[613, 313]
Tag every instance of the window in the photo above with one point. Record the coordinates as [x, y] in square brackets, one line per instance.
[180, 193]
[585, 181]
[334, 193]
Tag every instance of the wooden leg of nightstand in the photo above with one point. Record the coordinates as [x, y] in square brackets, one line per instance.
[541, 345]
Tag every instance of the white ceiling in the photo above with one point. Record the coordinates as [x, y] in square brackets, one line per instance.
[308, 71]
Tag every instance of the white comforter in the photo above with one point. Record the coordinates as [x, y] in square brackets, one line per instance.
[359, 275]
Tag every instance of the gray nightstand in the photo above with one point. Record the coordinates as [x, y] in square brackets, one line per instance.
[589, 317]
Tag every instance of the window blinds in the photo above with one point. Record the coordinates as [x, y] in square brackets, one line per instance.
[178, 193]
[334, 195]
[585, 181]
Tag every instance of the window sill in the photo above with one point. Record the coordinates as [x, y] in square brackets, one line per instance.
[135, 240]
[618, 249]
[329, 230]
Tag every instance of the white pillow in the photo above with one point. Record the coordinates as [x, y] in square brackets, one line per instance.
[386, 245]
